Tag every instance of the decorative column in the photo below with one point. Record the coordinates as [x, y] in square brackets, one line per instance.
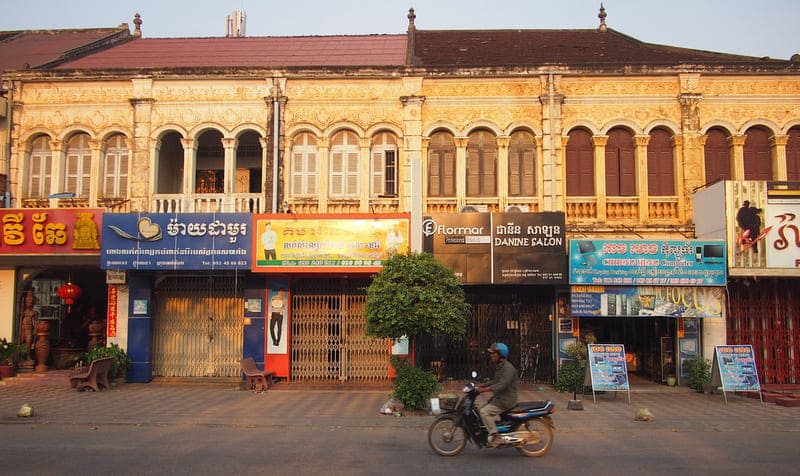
[640, 156]
[737, 155]
[461, 170]
[599, 143]
[412, 176]
[187, 202]
[364, 175]
[143, 152]
[323, 171]
[96, 170]
[229, 175]
[778, 153]
[553, 188]
[502, 170]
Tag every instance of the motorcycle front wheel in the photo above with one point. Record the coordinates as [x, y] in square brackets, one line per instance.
[445, 437]
[538, 437]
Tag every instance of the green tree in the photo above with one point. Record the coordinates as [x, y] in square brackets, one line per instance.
[415, 294]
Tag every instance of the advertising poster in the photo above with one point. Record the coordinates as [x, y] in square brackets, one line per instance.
[734, 369]
[499, 248]
[326, 243]
[50, 231]
[647, 262]
[607, 367]
[674, 301]
[172, 241]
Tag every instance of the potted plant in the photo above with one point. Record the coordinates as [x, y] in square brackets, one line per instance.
[700, 378]
[121, 360]
[572, 373]
[8, 355]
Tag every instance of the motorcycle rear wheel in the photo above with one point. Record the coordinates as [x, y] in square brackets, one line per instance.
[446, 438]
[542, 435]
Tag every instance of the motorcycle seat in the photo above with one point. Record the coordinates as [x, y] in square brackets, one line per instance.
[523, 407]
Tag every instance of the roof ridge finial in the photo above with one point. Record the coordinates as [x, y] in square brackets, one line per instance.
[602, 16]
[411, 17]
[137, 20]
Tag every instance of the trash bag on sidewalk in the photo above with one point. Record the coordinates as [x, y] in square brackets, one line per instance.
[392, 406]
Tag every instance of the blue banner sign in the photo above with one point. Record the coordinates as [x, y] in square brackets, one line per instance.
[607, 366]
[647, 262]
[736, 365]
[673, 301]
[171, 241]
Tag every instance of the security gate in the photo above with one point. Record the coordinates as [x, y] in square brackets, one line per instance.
[329, 341]
[197, 326]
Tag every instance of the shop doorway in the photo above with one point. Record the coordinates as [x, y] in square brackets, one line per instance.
[329, 343]
[197, 326]
[649, 342]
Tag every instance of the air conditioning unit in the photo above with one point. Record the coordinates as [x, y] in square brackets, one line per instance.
[517, 208]
[475, 208]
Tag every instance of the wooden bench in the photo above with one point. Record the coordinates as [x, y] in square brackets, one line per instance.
[95, 377]
[256, 379]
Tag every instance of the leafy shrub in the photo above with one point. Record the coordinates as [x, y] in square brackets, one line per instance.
[701, 374]
[413, 386]
[572, 373]
[121, 359]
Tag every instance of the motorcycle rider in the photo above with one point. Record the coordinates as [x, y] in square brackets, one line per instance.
[504, 388]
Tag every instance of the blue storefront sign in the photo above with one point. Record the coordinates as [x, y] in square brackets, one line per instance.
[647, 262]
[176, 241]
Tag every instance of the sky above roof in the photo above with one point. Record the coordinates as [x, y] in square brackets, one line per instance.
[765, 28]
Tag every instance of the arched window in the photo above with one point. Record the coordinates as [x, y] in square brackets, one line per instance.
[115, 168]
[344, 165]
[442, 165]
[620, 164]
[383, 166]
[522, 165]
[757, 157]
[305, 168]
[660, 164]
[170, 164]
[793, 155]
[248, 163]
[580, 164]
[482, 164]
[78, 166]
[40, 169]
[210, 168]
[717, 153]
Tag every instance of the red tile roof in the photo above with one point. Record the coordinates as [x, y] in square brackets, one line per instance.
[496, 48]
[35, 48]
[366, 50]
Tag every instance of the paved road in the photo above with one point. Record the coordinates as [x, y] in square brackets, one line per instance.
[205, 428]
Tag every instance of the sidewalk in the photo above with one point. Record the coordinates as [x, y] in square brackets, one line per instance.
[163, 403]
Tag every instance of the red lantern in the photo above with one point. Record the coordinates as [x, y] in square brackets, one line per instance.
[69, 293]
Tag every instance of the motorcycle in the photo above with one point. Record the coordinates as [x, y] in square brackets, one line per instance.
[528, 426]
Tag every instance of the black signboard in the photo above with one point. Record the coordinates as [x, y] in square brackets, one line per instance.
[499, 248]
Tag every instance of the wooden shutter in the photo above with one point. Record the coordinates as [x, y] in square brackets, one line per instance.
[337, 174]
[717, 156]
[580, 164]
[351, 162]
[660, 165]
[757, 157]
[793, 155]
[376, 166]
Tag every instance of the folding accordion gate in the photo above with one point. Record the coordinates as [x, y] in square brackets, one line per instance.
[197, 326]
[328, 334]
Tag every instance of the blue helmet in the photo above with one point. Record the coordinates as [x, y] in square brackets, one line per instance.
[500, 348]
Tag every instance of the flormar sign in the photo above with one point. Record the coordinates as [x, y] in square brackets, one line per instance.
[499, 248]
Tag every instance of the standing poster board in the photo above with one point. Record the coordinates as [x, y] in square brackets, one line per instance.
[606, 369]
[734, 369]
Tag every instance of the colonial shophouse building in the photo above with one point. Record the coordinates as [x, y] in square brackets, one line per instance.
[590, 129]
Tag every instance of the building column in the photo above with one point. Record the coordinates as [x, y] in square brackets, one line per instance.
[324, 149]
[737, 156]
[684, 196]
[640, 156]
[364, 175]
[461, 170]
[553, 188]
[412, 166]
[141, 178]
[778, 152]
[189, 174]
[96, 168]
[599, 143]
[502, 170]
[57, 171]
